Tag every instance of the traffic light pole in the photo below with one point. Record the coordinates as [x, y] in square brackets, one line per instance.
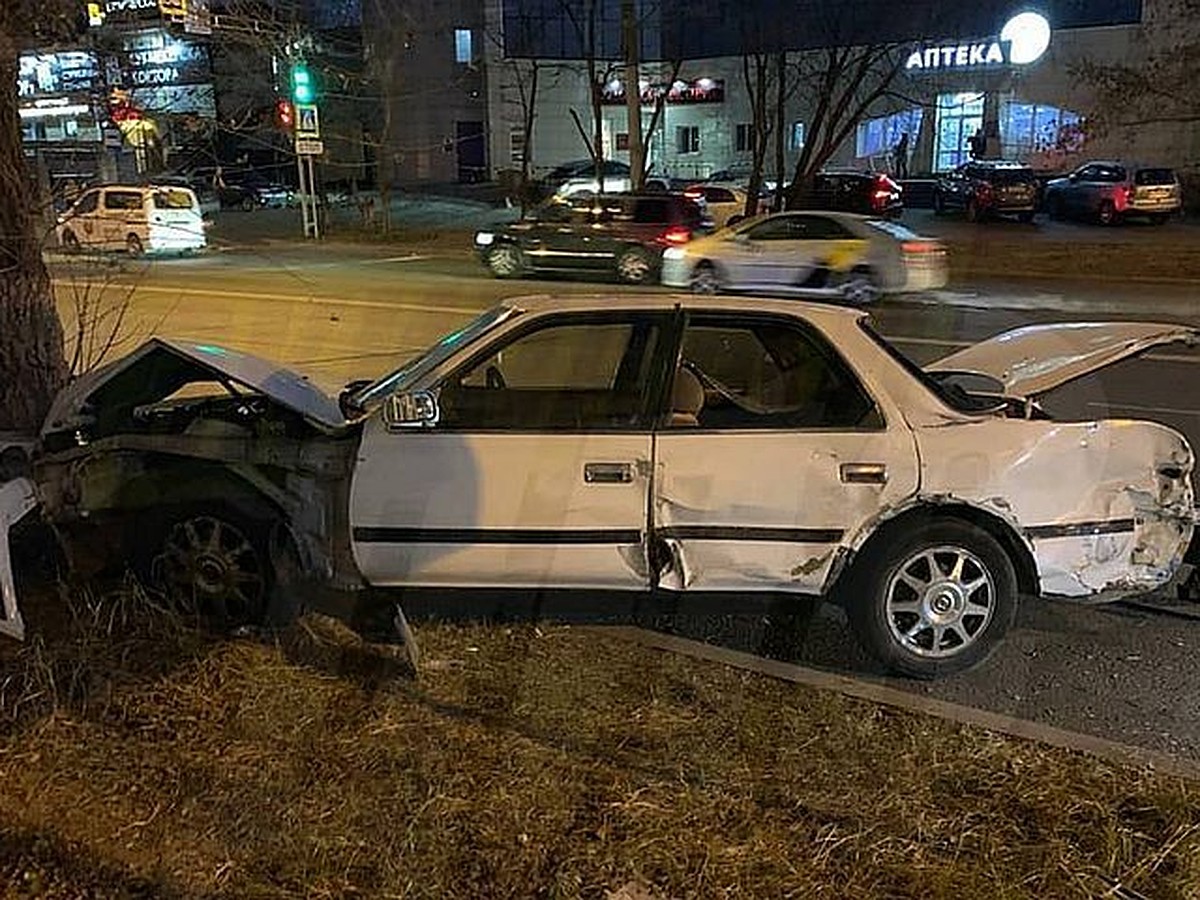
[308, 196]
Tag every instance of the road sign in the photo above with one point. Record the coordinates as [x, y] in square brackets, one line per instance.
[309, 147]
[308, 123]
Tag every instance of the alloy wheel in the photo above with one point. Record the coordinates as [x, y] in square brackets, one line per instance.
[939, 601]
[214, 568]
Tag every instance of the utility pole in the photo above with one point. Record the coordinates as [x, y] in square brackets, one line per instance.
[631, 39]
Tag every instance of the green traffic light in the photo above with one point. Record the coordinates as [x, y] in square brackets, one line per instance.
[303, 90]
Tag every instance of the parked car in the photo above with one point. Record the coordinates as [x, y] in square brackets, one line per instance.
[135, 218]
[724, 203]
[842, 256]
[630, 444]
[986, 188]
[620, 233]
[1108, 192]
[851, 190]
[249, 192]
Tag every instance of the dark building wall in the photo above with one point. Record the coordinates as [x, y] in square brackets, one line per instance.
[434, 106]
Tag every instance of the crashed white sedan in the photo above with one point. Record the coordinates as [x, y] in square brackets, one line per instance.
[632, 444]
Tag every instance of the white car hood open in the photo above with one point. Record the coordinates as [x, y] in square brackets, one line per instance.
[1032, 360]
[173, 362]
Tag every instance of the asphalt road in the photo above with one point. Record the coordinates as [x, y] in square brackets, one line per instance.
[339, 313]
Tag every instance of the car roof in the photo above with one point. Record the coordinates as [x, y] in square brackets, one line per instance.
[817, 312]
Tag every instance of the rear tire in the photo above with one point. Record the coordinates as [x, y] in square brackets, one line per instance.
[932, 600]
[974, 212]
[70, 243]
[705, 279]
[133, 245]
[859, 287]
[634, 266]
[506, 261]
[247, 204]
[1107, 213]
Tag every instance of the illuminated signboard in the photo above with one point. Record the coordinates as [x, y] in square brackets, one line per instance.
[1023, 40]
[157, 57]
[702, 90]
[39, 74]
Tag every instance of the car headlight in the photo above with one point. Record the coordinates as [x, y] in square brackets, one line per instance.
[484, 239]
[674, 253]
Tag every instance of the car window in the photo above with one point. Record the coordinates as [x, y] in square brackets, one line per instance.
[87, 203]
[719, 195]
[1108, 174]
[776, 228]
[1011, 176]
[1154, 176]
[125, 200]
[769, 373]
[894, 229]
[588, 375]
[652, 210]
[173, 199]
[1087, 173]
[819, 228]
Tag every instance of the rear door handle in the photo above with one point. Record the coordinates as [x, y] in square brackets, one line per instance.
[863, 473]
[608, 473]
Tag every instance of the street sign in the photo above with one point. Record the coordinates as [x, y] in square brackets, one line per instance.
[309, 147]
[308, 123]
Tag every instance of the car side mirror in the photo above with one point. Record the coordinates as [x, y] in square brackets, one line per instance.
[415, 409]
[1074, 176]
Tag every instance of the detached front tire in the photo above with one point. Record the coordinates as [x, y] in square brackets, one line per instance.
[933, 600]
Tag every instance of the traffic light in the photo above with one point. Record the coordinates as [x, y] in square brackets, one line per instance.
[304, 90]
[285, 115]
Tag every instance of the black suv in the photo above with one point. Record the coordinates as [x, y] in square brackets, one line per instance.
[851, 190]
[620, 233]
[984, 188]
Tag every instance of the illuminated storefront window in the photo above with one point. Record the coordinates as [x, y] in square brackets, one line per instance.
[959, 116]
[1027, 128]
[877, 137]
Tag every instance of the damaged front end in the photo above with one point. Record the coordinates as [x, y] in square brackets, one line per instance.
[173, 458]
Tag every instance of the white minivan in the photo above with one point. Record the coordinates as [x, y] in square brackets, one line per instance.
[138, 219]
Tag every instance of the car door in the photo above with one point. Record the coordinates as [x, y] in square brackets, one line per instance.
[788, 455]
[1081, 190]
[85, 221]
[555, 239]
[537, 472]
[820, 246]
[122, 214]
[768, 253]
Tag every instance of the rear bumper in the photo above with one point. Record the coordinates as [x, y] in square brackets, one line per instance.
[677, 273]
[171, 239]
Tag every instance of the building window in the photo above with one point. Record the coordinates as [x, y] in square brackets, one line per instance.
[516, 144]
[879, 137]
[462, 45]
[1028, 128]
[687, 138]
[744, 141]
[959, 117]
[797, 136]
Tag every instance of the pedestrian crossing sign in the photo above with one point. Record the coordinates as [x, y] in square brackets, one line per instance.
[308, 124]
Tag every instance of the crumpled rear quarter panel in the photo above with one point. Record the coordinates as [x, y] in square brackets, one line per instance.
[1106, 507]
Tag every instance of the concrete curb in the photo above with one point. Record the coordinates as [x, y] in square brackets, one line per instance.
[1110, 751]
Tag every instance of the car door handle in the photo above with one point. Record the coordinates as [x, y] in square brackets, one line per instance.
[608, 473]
[863, 473]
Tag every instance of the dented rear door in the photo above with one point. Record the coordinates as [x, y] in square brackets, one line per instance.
[787, 458]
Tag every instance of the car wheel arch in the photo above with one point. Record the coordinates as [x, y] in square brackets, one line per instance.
[938, 509]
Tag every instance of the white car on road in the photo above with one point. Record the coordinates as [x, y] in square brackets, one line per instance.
[135, 218]
[622, 445]
[853, 258]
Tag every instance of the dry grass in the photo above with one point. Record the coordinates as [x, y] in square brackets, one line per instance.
[528, 762]
[1171, 257]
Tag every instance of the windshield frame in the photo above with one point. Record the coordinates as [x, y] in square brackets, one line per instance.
[373, 394]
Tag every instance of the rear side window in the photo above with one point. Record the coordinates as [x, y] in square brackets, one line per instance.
[122, 199]
[173, 199]
[1154, 176]
[652, 211]
[1011, 176]
[719, 195]
[87, 203]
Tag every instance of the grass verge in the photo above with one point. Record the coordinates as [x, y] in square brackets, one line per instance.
[550, 762]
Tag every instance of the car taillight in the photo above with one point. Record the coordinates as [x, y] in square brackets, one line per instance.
[675, 235]
[1124, 196]
[921, 247]
[694, 195]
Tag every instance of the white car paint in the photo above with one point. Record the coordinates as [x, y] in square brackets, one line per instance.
[17, 499]
[1010, 468]
[898, 260]
[161, 218]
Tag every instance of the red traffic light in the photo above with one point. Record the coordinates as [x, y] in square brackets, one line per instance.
[285, 115]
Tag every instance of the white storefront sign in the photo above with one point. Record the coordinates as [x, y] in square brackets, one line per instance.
[1023, 40]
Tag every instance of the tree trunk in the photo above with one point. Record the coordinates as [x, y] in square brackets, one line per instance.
[32, 363]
